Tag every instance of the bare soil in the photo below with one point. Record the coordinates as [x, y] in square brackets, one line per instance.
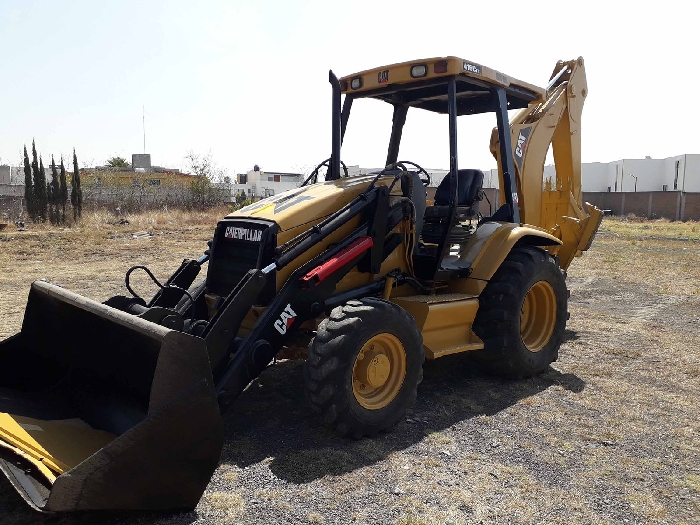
[609, 434]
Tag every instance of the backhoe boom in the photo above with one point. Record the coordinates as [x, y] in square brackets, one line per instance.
[554, 205]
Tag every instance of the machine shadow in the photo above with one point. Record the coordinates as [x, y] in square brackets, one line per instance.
[273, 421]
[570, 335]
[15, 511]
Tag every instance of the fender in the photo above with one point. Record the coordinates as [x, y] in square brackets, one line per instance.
[493, 241]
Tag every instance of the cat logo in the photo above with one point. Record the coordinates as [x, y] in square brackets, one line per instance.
[521, 145]
[285, 320]
[383, 76]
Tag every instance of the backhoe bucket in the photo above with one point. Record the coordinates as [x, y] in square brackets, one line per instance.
[100, 409]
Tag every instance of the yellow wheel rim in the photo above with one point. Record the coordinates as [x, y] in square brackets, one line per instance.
[538, 316]
[379, 371]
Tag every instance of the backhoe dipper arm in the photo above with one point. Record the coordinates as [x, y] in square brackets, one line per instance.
[555, 205]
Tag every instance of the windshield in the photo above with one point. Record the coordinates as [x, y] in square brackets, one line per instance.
[424, 140]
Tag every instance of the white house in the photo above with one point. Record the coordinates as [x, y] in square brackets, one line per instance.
[257, 183]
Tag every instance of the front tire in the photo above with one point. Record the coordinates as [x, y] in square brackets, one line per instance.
[364, 366]
[522, 314]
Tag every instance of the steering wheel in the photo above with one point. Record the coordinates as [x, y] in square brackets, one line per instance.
[425, 180]
[326, 163]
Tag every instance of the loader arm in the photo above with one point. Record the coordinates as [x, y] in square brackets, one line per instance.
[554, 205]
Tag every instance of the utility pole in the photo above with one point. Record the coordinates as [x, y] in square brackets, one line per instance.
[143, 122]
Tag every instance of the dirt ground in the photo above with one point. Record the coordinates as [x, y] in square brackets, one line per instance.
[609, 434]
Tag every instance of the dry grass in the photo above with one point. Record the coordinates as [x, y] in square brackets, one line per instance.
[93, 257]
[226, 505]
[636, 228]
[607, 435]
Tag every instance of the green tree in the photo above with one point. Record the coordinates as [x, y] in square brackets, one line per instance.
[76, 194]
[39, 186]
[42, 193]
[49, 199]
[206, 172]
[64, 192]
[117, 162]
[36, 181]
[45, 184]
[28, 186]
[54, 195]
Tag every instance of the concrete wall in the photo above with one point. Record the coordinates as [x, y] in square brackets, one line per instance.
[11, 208]
[672, 205]
[690, 206]
[11, 190]
[619, 175]
[637, 203]
[665, 204]
[12, 175]
[5, 174]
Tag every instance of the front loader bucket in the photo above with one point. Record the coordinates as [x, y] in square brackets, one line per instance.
[100, 409]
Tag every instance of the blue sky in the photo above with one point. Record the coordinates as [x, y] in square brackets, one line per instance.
[247, 81]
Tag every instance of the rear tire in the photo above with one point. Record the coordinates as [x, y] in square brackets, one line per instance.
[522, 314]
[364, 366]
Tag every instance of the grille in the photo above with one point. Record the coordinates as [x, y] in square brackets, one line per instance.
[238, 246]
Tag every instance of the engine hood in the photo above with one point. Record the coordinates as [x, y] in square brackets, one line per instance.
[308, 204]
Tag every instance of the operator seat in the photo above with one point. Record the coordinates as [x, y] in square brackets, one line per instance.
[469, 183]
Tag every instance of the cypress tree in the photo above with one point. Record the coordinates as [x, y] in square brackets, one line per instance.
[28, 186]
[49, 199]
[54, 196]
[64, 192]
[76, 194]
[36, 184]
[42, 199]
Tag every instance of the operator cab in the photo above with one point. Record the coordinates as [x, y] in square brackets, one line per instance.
[454, 87]
[469, 193]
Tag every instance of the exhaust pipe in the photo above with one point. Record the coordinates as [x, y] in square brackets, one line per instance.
[335, 123]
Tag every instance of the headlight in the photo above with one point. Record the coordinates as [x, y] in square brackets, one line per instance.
[419, 71]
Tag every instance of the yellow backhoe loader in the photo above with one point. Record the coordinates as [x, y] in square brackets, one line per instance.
[122, 411]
